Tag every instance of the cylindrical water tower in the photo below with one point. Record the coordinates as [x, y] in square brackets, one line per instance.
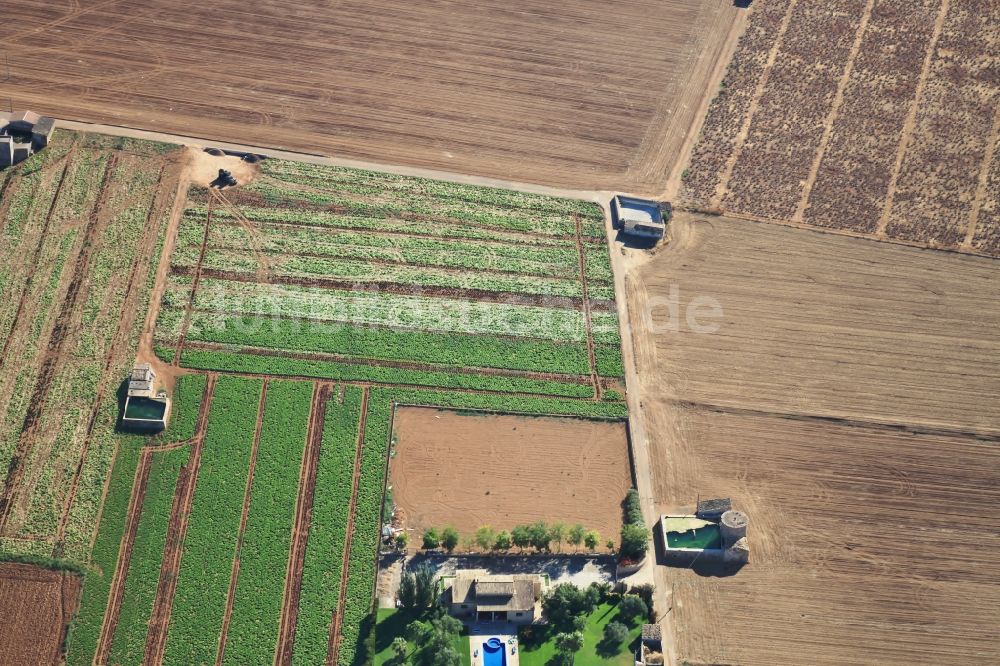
[733, 527]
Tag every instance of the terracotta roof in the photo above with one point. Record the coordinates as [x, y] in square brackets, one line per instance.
[495, 593]
[651, 632]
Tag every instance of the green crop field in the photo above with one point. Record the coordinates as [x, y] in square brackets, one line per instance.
[296, 312]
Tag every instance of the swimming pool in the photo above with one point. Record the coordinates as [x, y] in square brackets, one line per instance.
[707, 536]
[494, 653]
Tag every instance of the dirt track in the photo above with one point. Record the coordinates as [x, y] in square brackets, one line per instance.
[35, 607]
[501, 471]
[849, 403]
[570, 94]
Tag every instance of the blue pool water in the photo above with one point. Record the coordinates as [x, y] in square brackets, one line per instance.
[494, 653]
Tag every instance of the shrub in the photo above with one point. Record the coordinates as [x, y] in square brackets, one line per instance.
[431, 539]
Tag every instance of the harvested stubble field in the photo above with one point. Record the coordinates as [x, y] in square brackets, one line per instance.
[35, 608]
[571, 95]
[468, 471]
[849, 403]
[873, 117]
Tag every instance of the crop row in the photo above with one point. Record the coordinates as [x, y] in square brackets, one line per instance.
[787, 127]
[543, 261]
[882, 86]
[729, 108]
[189, 393]
[449, 349]
[323, 565]
[354, 372]
[364, 543]
[129, 642]
[332, 221]
[362, 271]
[939, 176]
[376, 183]
[85, 630]
[253, 631]
[214, 521]
[378, 308]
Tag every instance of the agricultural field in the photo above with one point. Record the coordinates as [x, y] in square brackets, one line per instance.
[248, 531]
[847, 400]
[878, 118]
[525, 91]
[471, 471]
[354, 275]
[35, 607]
[81, 225]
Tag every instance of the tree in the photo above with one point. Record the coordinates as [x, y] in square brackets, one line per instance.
[400, 648]
[521, 536]
[503, 541]
[632, 607]
[610, 545]
[484, 537]
[635, 540]
[575, 535]
[431, 539]
[449, 538]
[633, 508]
[540, 536]
[565, 602]
[408, 590]
[569, 643]
[425, 590]
[557, 533]
[591, 539]
[615, 633]
[402, 540]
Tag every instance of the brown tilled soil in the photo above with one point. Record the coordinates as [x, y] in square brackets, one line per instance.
[580, 94]
[35, 609]
[468, 471]
[850, 403]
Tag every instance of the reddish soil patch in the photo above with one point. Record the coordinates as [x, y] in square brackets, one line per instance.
[469, 471]
[35, 608]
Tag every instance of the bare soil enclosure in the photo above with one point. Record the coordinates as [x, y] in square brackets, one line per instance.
[468, 471]
[35, 608]
[568, 94]
[850, 403]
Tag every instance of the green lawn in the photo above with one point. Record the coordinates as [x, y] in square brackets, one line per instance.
[537, 652]
[391, 623]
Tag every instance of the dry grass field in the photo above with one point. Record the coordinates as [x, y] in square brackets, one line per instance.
[570, 94]
[35, 607]
[849, 402]
[469, 471]
[872, 117]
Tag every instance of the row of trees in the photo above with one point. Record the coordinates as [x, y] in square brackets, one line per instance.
[538, 536]
[635, 536]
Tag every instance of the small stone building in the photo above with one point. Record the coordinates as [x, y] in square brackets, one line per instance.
[638, 217]
[145, 409]
[477, 596]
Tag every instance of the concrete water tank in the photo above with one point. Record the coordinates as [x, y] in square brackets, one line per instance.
[733, 527]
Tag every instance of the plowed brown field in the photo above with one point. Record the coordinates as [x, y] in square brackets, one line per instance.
[468, 471]
[580, 94]
[35, 607]
[850, 403]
